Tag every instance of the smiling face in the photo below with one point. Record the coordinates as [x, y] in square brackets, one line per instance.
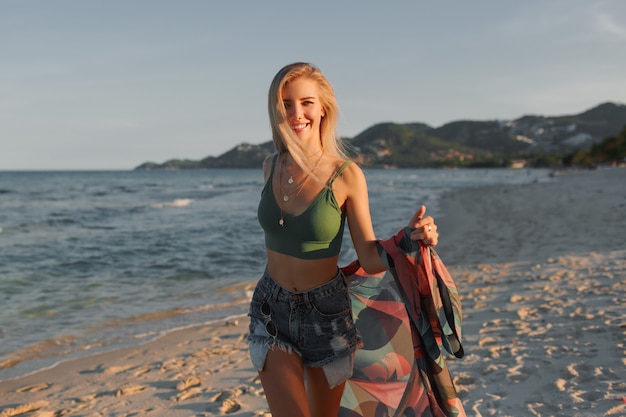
[304, 109]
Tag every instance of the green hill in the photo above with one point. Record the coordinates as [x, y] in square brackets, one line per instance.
[530, 140]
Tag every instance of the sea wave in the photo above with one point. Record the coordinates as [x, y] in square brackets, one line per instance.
[179, 202]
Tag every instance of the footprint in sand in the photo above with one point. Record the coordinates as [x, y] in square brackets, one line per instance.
[114, 370]
[35, 388]
[23, 409]
[175, 364]
[464, 379]
[188, 388]
[88, 398]
[227, 400]
[142, 370]
[187, 394]
[187, 383]
[129, 389]
[72, 411]
[46, 414]
[487, 341]
[230, 406]
[224, 395]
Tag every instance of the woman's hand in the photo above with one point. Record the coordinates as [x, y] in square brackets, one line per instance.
[424, 228]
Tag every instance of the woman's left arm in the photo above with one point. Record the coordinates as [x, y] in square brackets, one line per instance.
[360, 221]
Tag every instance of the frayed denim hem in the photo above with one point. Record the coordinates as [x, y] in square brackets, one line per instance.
[336, 370]
[339, 370]
[260, 345]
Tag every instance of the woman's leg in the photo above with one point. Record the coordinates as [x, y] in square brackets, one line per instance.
[283, 382]
[323, 401]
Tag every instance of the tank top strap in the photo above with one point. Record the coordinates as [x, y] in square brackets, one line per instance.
[274, 159]
[339, 171]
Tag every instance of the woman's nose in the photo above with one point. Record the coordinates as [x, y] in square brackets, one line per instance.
[295, 112]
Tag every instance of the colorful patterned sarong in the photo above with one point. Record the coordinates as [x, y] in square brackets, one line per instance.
[403, 316]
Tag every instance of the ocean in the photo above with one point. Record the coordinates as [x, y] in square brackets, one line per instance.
[95, 261]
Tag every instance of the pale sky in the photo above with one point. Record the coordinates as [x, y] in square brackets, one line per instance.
[111, 84]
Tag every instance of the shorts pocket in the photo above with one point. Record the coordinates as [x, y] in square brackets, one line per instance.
[334, 304]
[255, 309]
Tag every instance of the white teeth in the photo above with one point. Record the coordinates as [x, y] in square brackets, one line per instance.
[297, 127]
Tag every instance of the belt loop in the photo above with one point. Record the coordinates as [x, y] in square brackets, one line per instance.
[274, 288]
[307, 300]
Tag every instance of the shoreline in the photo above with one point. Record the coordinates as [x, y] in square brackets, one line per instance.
[49, 353]
[544, 320]
[180, 371]
[87, 353]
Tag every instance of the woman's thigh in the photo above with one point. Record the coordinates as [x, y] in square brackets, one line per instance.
[283, 382]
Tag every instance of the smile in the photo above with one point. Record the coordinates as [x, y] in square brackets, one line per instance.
[299, 127]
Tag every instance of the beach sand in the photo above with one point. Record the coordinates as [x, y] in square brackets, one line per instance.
[541, 270]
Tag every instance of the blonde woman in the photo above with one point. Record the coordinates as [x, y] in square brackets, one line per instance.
[302, 337]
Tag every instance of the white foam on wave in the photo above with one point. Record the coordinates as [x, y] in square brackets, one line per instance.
[179, 202]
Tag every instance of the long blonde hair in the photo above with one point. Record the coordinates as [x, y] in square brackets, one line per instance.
[285, 140]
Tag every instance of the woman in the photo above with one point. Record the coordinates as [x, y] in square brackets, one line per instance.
[302, 337]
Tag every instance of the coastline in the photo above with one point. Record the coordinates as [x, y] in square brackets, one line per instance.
[540, 268]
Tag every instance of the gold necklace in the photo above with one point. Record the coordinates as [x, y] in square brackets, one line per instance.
[286, 196]
[290, 180]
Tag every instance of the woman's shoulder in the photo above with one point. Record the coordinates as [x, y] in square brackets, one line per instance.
[350, 166]
[349, 182]
[270, 158]
[349, 171]
[267, 164]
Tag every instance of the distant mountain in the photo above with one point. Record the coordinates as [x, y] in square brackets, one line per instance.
[244, 155]
[460, 143]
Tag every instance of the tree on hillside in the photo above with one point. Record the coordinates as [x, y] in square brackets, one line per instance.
[610, 150]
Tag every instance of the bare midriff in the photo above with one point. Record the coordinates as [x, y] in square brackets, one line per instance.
[298, 275]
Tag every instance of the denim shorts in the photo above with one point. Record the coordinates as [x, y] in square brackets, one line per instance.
[316, 324]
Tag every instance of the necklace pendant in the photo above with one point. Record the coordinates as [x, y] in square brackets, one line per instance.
[290, 180]
[281, 222]
[285, 198]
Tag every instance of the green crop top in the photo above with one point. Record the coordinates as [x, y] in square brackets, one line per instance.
[315, 234]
